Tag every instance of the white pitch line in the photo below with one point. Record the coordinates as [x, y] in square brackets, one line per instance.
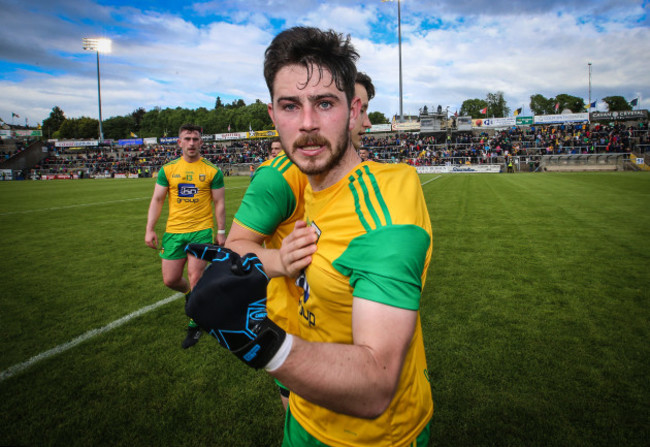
[79, 205]
[429, 181]
[20, 367]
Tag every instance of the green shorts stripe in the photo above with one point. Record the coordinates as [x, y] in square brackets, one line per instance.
[173, 244]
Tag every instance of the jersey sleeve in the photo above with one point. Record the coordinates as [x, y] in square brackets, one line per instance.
[217, 180]
[386, 265]
[162, 178]
[268, 202]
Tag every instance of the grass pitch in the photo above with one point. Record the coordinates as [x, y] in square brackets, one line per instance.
[535, 317]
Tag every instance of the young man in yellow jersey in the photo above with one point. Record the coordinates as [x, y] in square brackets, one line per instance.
[268, 212]
[194, 185]
[357, 368]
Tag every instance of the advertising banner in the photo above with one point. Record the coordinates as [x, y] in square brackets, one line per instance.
[78, 143]
[465, 169]
[380, 128]
[29, 133]
[494, 122]
[151, 140]
[622, 115]
[412, 126]
[130, 142]
[231, 136]
[561, 118]
[524, 120]
[263, 134]
[168, 140]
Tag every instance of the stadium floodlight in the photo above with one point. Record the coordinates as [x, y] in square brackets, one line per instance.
[399, 44]
[98, 45]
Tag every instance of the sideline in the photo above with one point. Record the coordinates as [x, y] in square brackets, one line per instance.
[20, 367]
[429, 181]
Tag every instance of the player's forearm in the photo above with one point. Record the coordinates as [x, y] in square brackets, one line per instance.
[220, 214]
[269, 257]
[347, 379]
[155, 208]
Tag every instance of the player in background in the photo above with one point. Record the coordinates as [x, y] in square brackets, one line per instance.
[194, 185]
[276, 148]
[363, 154]
[365, 90]
[269, 210]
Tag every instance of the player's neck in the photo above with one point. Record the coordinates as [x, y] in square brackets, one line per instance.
[189, 159]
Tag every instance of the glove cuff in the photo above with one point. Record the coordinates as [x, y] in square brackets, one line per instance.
[259, 352]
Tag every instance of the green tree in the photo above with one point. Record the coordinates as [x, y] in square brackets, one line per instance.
[616, 104]
[138, 115]
[572, 103]
[218, 104]
[497, 106]
[473, 107]
[119, 127]
[52, 123]
[378, 118]
[83, 127]
[541, 105]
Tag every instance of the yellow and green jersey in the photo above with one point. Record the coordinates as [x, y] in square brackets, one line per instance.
[375, 243]
[272, 204]
[190, 188]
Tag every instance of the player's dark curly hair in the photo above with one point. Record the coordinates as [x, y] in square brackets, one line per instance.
[365, 80]
[313, 49]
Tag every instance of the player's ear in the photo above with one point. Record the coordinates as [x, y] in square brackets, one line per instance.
[355, 112]
[269, 108]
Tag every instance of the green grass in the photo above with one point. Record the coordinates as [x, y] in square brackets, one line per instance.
[535, 316]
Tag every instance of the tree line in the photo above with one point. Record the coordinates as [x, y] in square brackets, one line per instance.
[240, 117]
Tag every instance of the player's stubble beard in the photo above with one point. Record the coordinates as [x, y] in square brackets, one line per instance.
[336, 154]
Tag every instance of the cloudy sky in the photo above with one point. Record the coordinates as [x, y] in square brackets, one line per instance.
[169, 53]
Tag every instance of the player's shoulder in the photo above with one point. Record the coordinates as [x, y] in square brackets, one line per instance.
[385, 172]
[173, 162]
[208, 163]
[282, 167]
[281, 163]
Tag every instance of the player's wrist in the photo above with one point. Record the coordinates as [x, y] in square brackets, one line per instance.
[281, 355]
[221, 231]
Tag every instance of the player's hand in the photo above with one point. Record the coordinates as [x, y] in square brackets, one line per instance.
[297, 249]
[151, 239]
[220, 239]
[229, 302]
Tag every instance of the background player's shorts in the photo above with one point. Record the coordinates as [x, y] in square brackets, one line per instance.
[284, 391]
[173, 244]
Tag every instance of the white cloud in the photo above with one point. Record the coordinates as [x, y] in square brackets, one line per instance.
[452, 51]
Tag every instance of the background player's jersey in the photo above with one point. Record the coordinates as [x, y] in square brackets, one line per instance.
[272, 204]
[190, 194]
[375, 243]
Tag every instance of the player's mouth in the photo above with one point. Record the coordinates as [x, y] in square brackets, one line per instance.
[311, 146]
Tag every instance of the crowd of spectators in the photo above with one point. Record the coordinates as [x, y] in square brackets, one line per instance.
[498, 146]
[475, 147]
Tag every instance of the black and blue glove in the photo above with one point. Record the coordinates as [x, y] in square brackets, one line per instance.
[229, 302]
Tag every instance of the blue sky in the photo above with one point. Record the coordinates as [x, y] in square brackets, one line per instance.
[185, 54]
